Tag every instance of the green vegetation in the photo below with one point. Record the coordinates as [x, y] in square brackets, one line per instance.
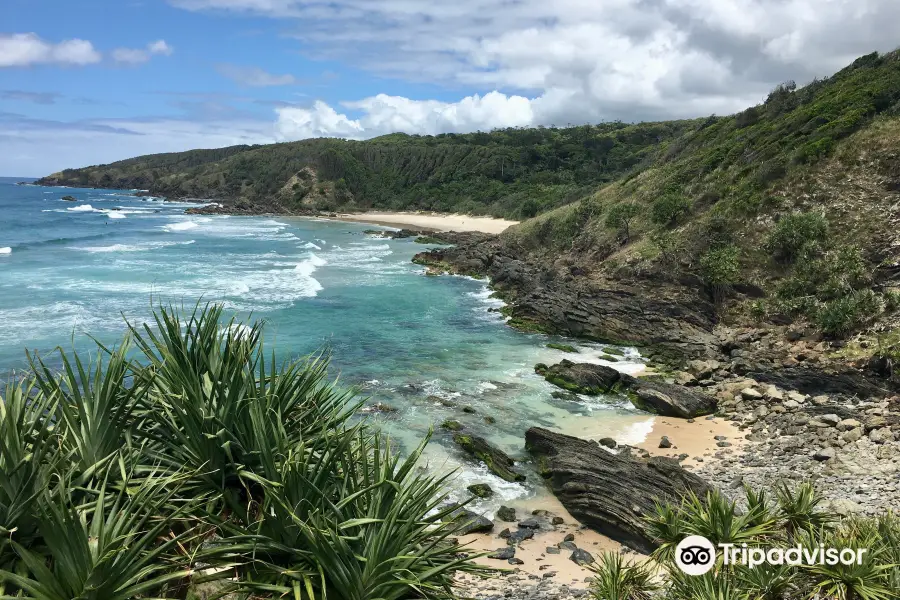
[207, 461]
[766, 202]
[514, 173]
[792, 518]
[562, 347]
[783, 210]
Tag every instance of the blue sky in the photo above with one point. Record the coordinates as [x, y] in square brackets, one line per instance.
[94, 81]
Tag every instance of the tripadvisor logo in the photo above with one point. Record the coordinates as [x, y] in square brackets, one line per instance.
[696, 555]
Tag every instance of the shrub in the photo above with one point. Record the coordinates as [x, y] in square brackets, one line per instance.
[669, 209]
[794, 232]
[841, 316]
[620, 217]
[720, 269]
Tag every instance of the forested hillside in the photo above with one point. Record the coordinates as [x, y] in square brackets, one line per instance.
[514, 173]
[786, 212]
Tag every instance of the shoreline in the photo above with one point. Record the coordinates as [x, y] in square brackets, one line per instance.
[429, 221]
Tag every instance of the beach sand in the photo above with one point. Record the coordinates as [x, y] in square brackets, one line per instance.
[696, 439]
[431, 221]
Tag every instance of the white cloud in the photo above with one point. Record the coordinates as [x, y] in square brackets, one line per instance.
[136, 56]
[27, 49]
[383, 114]
[254, 76]
[581, 60]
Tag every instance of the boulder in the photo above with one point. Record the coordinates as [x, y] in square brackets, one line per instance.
[505, 513]
[610, 493]
[503, 553]
[669, 400]
[608, 442]
[581, 378]
[665, 442]
[480, 490]
[469, 522]
[498, 462]
[664, 399]
[581, 557]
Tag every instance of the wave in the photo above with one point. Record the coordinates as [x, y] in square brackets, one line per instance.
[311, 246]
[309, 266]
[114, 214]
[5, 250]
[142, 247]
[82, 208]
[180, 226]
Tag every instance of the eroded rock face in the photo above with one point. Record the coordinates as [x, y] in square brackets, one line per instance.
[611, 493]
[674, 317]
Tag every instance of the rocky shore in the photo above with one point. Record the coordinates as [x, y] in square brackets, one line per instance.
[804, 408]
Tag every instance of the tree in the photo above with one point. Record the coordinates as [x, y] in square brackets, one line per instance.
[620, 217]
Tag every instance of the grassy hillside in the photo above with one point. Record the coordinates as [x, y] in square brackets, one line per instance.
[787, 210]
[514, 173]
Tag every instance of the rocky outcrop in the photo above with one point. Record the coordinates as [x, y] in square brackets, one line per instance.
[673, 318]
[581, 378]
[611, 493]
[657, 397]
[670, 400]
[498, 462]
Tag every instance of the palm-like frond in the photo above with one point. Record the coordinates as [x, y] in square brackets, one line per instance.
[26, 449]
[95, 403]
[867, 579]
[118, 546]
[717, 519]
[615, 579]
[800, 508]
[355, 523]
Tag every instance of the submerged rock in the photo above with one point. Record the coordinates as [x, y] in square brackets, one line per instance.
[480, 490]
[610, 493]
[498, 462]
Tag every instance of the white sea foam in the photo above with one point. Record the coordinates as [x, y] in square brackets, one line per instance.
[180, 226]
[82, 208]
[311, 246]
[114, 214]
[141, 247]
[5, 250]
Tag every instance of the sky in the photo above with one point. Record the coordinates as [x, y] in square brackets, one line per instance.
[93, 81]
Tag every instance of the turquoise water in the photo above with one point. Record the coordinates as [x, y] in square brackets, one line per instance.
[70, 268]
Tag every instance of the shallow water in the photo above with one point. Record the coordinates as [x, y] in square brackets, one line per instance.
[76, 267]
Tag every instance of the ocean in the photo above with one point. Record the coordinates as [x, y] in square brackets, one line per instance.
[68, 269]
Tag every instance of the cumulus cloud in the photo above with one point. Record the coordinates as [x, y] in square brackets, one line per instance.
[581, 60]
[28, 49]
[136, 56]
[384, 114]
[254, 76]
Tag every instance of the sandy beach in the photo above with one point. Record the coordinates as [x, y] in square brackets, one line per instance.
[696, 439]
[431, 221]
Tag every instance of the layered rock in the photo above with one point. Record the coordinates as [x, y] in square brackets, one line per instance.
[611, 493]
[674, 318]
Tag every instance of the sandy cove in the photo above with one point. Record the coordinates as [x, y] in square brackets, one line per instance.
[430, 221]
[694, 437]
